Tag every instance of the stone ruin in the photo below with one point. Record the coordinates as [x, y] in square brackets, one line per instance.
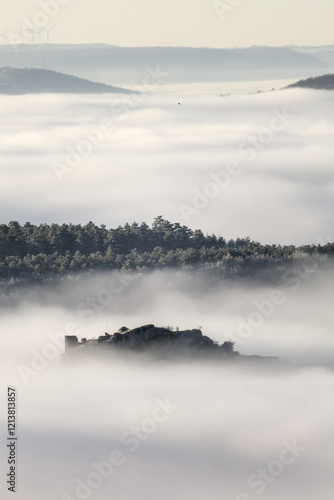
[164, 342]
[158, 343]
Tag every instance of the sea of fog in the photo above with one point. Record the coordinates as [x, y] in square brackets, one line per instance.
[219, 157]
[128, 428]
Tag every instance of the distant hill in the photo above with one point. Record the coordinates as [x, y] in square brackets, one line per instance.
[129, 65]
[15, 81]
[325, 82]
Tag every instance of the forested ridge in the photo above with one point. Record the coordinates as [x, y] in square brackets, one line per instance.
[324, 82]
[30, 251]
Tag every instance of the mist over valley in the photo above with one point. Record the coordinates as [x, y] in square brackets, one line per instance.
[202, 202]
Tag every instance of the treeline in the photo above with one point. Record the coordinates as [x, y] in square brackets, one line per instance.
[325, 82]
[30, 250]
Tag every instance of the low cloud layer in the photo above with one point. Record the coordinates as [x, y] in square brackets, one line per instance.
[204, 429]
[257, 165]
[232, 432]
[218, 430]
[289, 318]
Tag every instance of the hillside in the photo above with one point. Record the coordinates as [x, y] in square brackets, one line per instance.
[325, 82]
[15, 81]
[31, 252]
[128, 65]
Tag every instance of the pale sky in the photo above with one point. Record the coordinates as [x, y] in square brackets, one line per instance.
[196, 23]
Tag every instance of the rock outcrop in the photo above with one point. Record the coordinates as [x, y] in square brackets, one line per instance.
[149, 339]
[157, 343]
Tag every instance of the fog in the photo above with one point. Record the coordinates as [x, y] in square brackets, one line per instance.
[219, 157]
[224, 423]
[296, 327]
[213, 162]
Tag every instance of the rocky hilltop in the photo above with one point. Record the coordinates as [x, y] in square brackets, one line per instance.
[161, 342]
[15, 81]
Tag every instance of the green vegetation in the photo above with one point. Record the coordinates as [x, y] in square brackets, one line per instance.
[33, 253]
